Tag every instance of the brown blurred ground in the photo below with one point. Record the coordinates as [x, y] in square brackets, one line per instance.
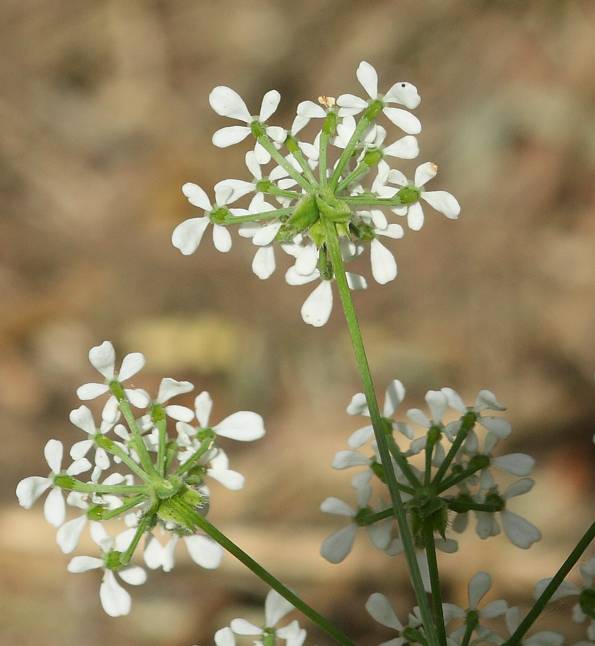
[104, 114]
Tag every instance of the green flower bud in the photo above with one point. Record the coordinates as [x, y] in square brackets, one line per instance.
[372, 157]
[305, 214]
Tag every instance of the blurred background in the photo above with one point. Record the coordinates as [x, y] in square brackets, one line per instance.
[104, 113]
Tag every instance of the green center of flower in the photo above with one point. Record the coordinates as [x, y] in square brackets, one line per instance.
[409, 195]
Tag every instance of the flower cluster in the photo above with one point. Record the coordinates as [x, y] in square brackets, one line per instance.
[304, 201]
[140, 472]
[275, 608]
[441, 488]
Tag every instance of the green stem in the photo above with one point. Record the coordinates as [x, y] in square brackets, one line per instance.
[428, 534]
[294, 148]
[129, 504]
[469, 628]
[361, 169]
[362, 125]
[192, 460]
[463, 475]
[268, 578]
[267, 144]
[257, 217]
[280, 192]
[428, 463]
[402, 463]
[140, 530]
[379, 427]
[90, 487]
[111, 447]
[372, 200]
[552, 586]
[322, 157]
[467, 423]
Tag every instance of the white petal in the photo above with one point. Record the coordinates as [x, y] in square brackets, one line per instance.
[153, 553]
[478, 587]
[358, 405]
[228, 103]
[293, 278]
[275, 608]
[358, 438]
[396, 177]
[408, 122]
[415, 217]
[380, 533]
[270, 102]
[338, 545]
[334, 505]
[137, 397]
[454, 400]
[169, 388]
[263, 263]
[80, 564]
[424, 173]
[393, 396]
[196, 196]
[225, 637]
[307, 260]
[91, 391]
[393, 230]
[487, 400]
[204, 551]
[404, 93]
[519, 464]
[384, 266]
[103, 359]
[114, 599]
[493, 609]
[243, 627]
[54, 508]
[230, 479]
[379, 608]
[187, 236]
[405, 148]
[229, 136]
[378, 219]
[277, 134]
[497, 425]
[368, 77]
[519, 530]
[311, 110]
[29, 489]
[83, 418]
[437, 403]
[53, 451]
[418, 417]
[203, 405]
[265, 235]
[443, 202]
[131, 365]
[133, 575]
[253, 165]
[317, 308]
[221, 238]
[356, 281]
[348, 459]
[78, 467]
[180, 413]
[244, 426]
[353, 104]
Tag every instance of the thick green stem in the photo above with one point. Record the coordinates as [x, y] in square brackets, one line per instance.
[553, 585]
[428, 534]
[111, 447]
[379, 428]
[269, 579]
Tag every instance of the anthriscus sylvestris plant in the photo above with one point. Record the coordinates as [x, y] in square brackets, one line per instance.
[419, 479]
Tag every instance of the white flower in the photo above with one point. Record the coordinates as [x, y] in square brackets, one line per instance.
[228, 103]
[276, 607]
[338, 545]
[204, 551]
[114, 598]
[542, 638]
[169, 388]
[393, 396]
[31, 488]
[485, 400]
[442, 201]
[188, 234]
[103, 359]
[479, 586]
[519, 530]
[585, 593]
[380, 609]
[243, 426]
[83, 419]
[401, 92]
